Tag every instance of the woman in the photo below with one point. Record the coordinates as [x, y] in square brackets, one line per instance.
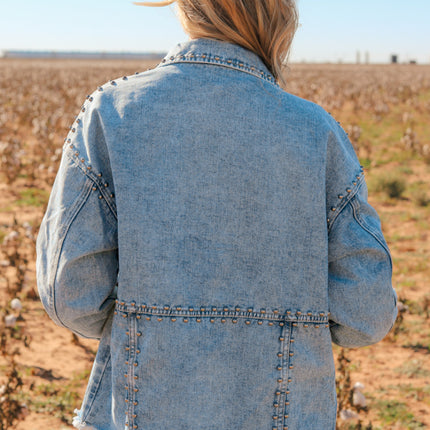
[213, 231]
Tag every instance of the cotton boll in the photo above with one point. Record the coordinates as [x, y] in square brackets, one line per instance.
[10, 320]
[16, 305]
[347, 414]
[358, 398]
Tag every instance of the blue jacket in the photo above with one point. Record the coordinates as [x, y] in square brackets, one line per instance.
[213, 231]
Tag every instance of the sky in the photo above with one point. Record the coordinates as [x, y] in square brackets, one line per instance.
[330, 30]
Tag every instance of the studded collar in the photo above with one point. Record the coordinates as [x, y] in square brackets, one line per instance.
[211, 51]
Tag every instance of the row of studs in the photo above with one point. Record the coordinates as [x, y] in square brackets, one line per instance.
[190, 57]
[167, 310]
[131, 389]
[281, 402]
[342, 198]
[223, 320]
[95, 176]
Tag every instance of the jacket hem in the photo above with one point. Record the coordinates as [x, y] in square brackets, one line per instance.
[78, 423]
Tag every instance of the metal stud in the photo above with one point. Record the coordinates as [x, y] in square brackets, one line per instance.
[212, 320]
[138, 334]
[291, 354]
[270, 323]
[94, 188]
[348, 190]
[282, 338]
[173, 319]
[138, 317]
[305, 325]
[333, 209]
[247, 322]
[148, 318]
[135, 364]
[259, 322]
[223, 320]
[159, 319]
[185, 320]
[100, 197]
[340, 196]
[198, 320]
[99, 174]
[234, 320]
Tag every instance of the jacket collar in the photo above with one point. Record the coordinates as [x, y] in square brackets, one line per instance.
[211, 51]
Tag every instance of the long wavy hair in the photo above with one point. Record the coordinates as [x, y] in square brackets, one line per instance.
[266, 27]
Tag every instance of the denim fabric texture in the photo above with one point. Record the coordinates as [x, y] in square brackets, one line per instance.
[213, 231]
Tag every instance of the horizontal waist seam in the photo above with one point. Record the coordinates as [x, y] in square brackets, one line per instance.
[210, 312]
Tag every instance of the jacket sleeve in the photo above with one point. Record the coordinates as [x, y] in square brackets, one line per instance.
[77, 251]
[362, 300]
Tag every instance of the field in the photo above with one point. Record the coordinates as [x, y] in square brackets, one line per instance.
[385, 109]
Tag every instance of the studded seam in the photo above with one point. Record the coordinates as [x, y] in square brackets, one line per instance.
[344, 198]
[215, 59]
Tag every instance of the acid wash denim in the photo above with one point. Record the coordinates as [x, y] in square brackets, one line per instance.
[213, 231]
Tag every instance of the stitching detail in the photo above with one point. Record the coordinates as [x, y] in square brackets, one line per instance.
[232, 63]
[102, 188]
[367, 228]
[74, 210]
[222, 313]
[345, 198]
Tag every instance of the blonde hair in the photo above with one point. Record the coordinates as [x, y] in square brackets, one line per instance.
[266, 27]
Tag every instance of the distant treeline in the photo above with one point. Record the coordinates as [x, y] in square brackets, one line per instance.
[83, 55]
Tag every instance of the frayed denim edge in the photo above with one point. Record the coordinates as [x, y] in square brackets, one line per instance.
[78, 423]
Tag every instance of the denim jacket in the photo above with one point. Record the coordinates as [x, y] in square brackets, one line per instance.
[213, 231]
